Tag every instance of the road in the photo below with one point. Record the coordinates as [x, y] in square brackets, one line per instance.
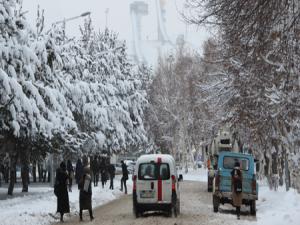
[196, 209]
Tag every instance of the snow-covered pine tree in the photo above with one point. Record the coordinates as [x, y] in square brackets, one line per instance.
[103, 91]
[31, 105]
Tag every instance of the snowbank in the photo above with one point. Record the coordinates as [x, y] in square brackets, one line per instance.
[278, 208]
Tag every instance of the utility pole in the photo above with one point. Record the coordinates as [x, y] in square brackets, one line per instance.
[106, 17]
[73, 18]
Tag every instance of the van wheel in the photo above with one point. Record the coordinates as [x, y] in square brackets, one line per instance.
[169, 212]
[216, 203]
[253, 208]
[137, 213]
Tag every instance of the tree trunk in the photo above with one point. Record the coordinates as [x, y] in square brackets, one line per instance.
[40, 172]
[287, 174]
[281, 171]
[25, 169]
[25, 176]
[34, 171]
[14, 158]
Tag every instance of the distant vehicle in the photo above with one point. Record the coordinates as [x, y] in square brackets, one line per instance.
[130, 165]
[118, 167]
[199, 164]
[155, 185]
[222, 142]
[222, 190]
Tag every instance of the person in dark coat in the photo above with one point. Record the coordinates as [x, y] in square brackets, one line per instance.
[111, 172]
[95, 169]
[85, 194]
[124, 176]
[237, 197]
[70, 170]
[103, 171]
[78, 171]
[61, 190]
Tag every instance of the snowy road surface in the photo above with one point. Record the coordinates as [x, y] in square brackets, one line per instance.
[196, 208]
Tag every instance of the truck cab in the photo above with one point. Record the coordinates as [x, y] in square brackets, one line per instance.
[222, 185]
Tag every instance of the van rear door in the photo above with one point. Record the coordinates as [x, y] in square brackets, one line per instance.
[147, 181]
[165, 189]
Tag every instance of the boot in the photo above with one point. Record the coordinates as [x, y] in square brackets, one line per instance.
[91, 214]
[238, 212]
[80, 215]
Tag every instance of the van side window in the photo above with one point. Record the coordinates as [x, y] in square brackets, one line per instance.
[164, 172]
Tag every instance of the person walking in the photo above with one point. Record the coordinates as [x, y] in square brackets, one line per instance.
[95, 169]
[124, 176]
[237, 178]
[111, 172]
[85, 194]
[70, 170]
[78, 171]
[103, 171]
[61, 190]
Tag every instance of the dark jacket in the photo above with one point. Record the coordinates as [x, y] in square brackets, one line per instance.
[85, 197]
[103, 171]
[62, 191]
[111, 170]
[124, 171]
[79, 171]
[95, 166]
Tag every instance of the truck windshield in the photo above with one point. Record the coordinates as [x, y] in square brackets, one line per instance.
[229, 161]
[152, 171]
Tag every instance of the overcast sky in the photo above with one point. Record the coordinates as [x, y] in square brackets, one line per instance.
[118, 17]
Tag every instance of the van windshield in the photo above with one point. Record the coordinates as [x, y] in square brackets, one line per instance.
[154, 171]
[229, 161]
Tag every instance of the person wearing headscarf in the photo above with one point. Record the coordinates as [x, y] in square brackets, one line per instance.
[61, 190]
[237, 181]
[78, 170]
[85, 194]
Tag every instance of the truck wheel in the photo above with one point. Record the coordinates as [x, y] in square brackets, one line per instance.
[253, 208]
[216, 203]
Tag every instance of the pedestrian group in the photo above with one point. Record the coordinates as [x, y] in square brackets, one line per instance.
[85, 174]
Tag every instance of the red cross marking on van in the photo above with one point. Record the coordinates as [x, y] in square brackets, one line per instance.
[159, 183]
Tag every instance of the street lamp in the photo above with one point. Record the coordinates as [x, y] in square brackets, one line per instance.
[73, 18]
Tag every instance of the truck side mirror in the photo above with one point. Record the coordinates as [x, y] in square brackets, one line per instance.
[180, 177]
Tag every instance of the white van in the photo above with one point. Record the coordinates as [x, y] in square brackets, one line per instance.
[155, 185]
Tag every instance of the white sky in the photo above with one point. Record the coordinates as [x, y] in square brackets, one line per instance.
[118, 17]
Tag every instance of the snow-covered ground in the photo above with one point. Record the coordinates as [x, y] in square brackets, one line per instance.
[39, 205]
